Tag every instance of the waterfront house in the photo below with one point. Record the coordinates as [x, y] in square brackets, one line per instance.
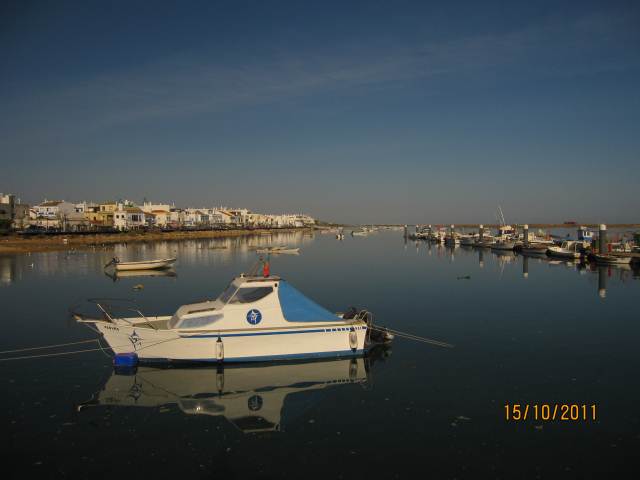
[128, 217]
[157, 214]
[176, 218]
[161, 217]
[53, 214]
[194, 217]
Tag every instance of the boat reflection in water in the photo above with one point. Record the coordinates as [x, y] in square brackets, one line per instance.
[118, 275]
[253, 398]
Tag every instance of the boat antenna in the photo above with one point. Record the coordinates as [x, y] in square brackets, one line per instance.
[501, 215]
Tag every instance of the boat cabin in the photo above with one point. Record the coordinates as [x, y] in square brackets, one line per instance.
[584, 234]
[250, 302]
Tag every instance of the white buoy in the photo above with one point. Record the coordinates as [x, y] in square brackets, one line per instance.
[353, 339]
[219, 350]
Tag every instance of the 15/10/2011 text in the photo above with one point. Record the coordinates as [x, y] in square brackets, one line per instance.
[564, 412]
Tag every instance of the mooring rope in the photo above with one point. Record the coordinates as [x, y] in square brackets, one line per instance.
[25, 357]
[59, 354]
[410, 336]
[46, 347]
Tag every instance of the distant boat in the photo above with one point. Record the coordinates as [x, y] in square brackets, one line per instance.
[568, 249]
[503, 244]
[609, 259]
[279, 250]
[469, 239]
[143, 265]
[535, 249]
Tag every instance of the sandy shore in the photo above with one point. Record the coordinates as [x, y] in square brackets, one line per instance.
[44, 243]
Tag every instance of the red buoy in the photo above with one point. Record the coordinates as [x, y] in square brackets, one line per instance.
[265, 269]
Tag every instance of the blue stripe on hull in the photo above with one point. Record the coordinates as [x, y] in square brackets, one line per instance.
[257, 334]
[264, 358]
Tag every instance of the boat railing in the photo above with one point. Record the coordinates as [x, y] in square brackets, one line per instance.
[110, 310]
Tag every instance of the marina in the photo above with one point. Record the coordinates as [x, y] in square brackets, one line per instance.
[320, 240]
[538, 350]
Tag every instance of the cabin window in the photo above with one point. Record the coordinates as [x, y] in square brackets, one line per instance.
[199, 322]
[227, 294]
[248, 295]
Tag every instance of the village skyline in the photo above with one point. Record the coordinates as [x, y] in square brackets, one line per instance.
[127, 215]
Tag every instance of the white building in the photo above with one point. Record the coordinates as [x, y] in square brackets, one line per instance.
[195, 217]
[153, 207]
[128, 217]
[54, 213]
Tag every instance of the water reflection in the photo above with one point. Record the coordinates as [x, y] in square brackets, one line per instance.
[255, 398]
[241, 250]
[119, 275]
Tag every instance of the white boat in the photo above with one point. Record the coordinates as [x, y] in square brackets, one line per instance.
[486, 241]
[142, 265]
[567, 249]
[610, 259]
[503, 244]
[257, 318]
[452, 239]
[468, 239]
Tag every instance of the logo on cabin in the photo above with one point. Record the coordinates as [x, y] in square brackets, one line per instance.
[135, 339]
[255, 403]
[254, 316]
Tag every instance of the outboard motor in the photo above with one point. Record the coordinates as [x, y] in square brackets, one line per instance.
[350, 313]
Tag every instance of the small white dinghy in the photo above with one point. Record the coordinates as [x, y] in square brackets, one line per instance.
[143, 265]
[257, 318]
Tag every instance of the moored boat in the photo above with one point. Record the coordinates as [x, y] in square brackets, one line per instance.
[141, 265]
[610, 259]
[567, 249]
[257, 318]
[468, 239]
[535, 249]
[503, 244]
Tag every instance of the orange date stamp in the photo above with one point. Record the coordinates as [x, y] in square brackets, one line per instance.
[548, 412]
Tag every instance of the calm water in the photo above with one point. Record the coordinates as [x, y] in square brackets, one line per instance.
[524, 330]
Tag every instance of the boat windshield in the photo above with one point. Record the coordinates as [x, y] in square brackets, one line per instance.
[228, 293]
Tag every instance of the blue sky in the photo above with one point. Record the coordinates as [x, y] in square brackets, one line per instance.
[349, 111]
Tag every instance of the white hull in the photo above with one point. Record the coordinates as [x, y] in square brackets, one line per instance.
[255, 319]
[145, 265]
[562, 253]
[255, 345]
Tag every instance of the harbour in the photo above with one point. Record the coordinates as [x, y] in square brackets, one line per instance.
[320, 240]
[518, 327]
